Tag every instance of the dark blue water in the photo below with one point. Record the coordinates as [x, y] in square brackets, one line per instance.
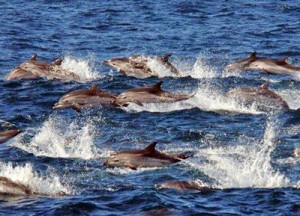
[244, 153]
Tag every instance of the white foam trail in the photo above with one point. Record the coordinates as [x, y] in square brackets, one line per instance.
[206, 98]
[244, 166]
[81, 67]
[199, 70]
[25, 175]
[58, 138]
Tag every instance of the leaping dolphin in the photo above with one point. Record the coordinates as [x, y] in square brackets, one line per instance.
[32, 69]
[7, 135]
[183, 185]
[272, 66]
[148, 157]
[151, 94]
[86, 98]
[138, 65]
[262, 96]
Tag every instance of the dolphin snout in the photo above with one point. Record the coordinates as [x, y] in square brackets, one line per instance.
[106, 62]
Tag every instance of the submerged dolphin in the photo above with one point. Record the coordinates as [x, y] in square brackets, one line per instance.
[183, 185]
[262, 96]
[9, 187]
[32, 69]
[274, 66]
[138, 65]
[7, 135]
[148, 157]
[152, 94]
[86, 98]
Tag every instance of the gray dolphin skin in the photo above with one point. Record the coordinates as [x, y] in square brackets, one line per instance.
[86, 98]
[183, 185]
[33, 69]
[137, 65]
[148, 157]
[152, 94]
[262, 96]
[7, 135]
[272, 66]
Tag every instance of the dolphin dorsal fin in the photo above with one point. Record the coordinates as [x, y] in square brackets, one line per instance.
[166, 57]
[157, 86]
[264, 86]
[150, 148]
[282, 61]
[33, 57]
[93, 88]
[253, 55]
[58, 61]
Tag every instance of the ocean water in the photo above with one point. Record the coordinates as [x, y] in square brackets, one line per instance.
[243, 152]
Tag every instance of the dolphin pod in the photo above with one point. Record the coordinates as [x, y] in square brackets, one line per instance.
[33, 69]
[270, 66]
[138, 65]
[93, 96]
[262, 96]
[7, 135]
[148, 157]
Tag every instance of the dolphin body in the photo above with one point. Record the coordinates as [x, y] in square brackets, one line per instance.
[86, 98]
[33, 69]
[148, 157]
[262, 96]
[7, 135]
[270, 66]
[137, 65]
[152, 94]
[183, 185]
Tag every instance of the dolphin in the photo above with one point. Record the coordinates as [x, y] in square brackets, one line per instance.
[33, 69]
[183, 185]
[151, 94]
[148, 157]
[86, 98]
[7, 135]
[269, 66]
[138, 65]
[262, 96]
[9, 187]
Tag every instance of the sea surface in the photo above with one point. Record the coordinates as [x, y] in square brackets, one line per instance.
[244, 153]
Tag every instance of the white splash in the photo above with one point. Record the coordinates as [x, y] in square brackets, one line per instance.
[200, 69]
[81, 67]
[25, 175]
[243, 166]
[206, 98]
[58, 138]
[292, 97]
